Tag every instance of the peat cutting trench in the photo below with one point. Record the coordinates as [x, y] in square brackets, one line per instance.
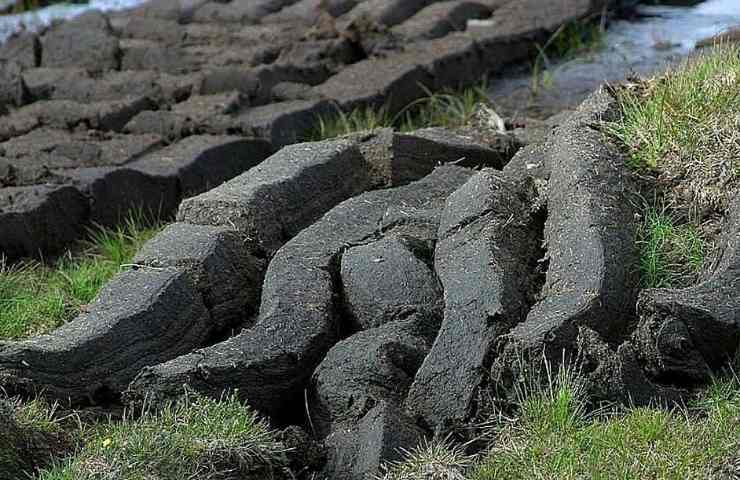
[374, 289]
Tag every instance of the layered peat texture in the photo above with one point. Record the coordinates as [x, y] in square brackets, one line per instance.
[201, 279]
[108, 113]
[589, 241]
[489, 240]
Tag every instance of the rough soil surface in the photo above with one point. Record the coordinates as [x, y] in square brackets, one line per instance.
[139, 109]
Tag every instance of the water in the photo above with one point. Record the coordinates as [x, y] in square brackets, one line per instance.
[37, 19]
[663, 36]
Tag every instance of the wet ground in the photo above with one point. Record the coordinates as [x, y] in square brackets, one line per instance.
[659, 36]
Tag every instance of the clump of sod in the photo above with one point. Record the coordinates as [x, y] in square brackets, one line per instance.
[682, 129]
[36, 297]
[196, 437]
[14, 459]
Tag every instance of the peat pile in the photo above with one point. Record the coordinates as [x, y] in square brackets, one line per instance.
[374, 318]
[140, 109]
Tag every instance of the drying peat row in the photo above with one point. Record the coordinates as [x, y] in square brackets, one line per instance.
[140, 109]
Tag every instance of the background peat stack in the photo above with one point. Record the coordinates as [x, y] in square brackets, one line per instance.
[107, 113]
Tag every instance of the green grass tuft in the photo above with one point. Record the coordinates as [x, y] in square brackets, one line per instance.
[549, 401]
[445, 109]
[575, 38]
[672, 253]
[431, 460]
[553, 439]
[195, 438]
[36, 297]
[358, 120]
[570, 40]
[37, 414]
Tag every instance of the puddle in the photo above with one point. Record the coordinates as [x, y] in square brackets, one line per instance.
[643, 46]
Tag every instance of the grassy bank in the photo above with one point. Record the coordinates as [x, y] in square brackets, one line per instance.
[682, 131]
[195, 437]
[553, 436]
[36, 297]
